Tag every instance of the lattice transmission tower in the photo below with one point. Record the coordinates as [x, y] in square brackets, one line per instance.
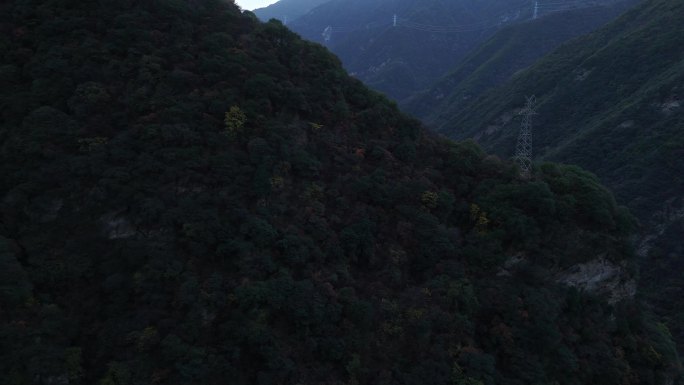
[523, 150]
[327, 33]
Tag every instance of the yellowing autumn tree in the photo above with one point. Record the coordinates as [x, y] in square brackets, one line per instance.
[235, 121]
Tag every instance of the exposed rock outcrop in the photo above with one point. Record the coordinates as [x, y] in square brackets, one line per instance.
[602, 277]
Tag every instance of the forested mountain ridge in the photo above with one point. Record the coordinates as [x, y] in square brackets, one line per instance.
[189, 196]
[430, 37]
[509, 51]
[611, 102]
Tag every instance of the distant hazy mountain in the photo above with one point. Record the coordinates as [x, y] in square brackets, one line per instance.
[610, 102]
[507, 52]
[431, 37]
[190, 196]
[425, 43]
[287, 10]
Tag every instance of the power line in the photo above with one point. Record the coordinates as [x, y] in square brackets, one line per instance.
[395, 21]
[539, 8]
[451, 29]
[512, 14]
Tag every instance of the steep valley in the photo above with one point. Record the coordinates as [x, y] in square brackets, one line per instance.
[191, 196]
[611, 103]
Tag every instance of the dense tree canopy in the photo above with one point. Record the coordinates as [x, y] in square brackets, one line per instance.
[189, 196]
[610, 102]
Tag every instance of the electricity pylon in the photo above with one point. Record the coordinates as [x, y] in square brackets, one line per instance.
[327, 33]
[523, 150]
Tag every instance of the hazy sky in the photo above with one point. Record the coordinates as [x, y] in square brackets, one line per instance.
[253, 4]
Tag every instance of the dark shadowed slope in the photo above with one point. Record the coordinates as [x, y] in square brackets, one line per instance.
[189, 196]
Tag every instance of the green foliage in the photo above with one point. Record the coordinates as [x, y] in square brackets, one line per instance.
[117, 374]
[138, 245]
[235, 121]
[89, 97]
[429, 199]
[73, 364]
[609, 102]
[15, 288]
[458, 377]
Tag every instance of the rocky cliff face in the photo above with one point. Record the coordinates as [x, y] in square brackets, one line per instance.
[602, 277]
[614, 281]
